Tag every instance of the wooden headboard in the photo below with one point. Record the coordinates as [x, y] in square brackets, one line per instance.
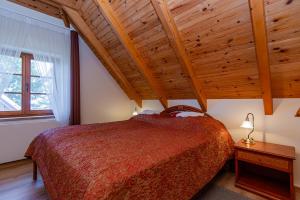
[180, 108]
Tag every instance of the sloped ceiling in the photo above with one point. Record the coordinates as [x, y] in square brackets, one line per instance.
[217, 36]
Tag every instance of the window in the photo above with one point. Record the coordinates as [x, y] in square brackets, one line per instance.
[27, 86]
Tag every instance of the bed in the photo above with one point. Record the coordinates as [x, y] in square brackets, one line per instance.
[145, 157]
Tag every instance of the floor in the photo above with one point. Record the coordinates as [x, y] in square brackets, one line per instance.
[16, 183]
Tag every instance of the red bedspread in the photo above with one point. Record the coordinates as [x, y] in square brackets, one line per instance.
[146, 157]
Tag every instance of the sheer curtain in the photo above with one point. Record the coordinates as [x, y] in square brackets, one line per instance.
[47, 45]
[6, 68]
[58, 87]
[11, 36]
[55, 49]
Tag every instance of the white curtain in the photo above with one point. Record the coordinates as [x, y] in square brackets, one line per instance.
[6, 66]
[46, 45]
[58, 87]
[54, 49]
[11, 37]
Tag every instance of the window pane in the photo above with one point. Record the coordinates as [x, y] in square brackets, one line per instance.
[10, 102]
[41, 82]
[10, 83]
[40, 102]
[41, 85]
[10, 64]
[15, 84]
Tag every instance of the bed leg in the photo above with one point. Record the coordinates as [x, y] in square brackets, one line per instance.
[34, 176]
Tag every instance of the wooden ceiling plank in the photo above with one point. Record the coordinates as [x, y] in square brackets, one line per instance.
[66, 3]
[49, 2]
[59, 3]
[101, 52]
[79, 4]
[262, 52]
[173, 34]
[40, 7]
[118, 28]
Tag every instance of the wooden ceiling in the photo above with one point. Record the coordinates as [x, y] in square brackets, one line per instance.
[191, 49]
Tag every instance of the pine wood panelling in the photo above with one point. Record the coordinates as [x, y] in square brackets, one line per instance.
[262, 52]
[283, 27]
[86, 33]
[285, 51]
[285, 80]
[282, 19]
[40, 6]
[194, 12]
[218, 39]
[107, 37]
[170, 27]
[68, 3]
[110, 41]
[118, 28]
[147, 34]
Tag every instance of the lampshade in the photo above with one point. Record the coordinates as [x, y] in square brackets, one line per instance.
[247, 124]
[135, 113]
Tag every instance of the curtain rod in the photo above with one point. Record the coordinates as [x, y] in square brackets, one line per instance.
[32, 18]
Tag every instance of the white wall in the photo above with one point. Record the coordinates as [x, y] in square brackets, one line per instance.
[16, 136]
[102, 99]
[281, 127]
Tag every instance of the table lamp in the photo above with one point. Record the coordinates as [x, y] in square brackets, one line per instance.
[248, 125]
[135, 113]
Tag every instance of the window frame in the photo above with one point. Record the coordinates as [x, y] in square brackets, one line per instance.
[25, 92]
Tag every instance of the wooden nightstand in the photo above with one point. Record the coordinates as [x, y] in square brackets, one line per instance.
[265, 169]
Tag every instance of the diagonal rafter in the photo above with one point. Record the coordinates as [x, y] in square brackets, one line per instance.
[173, 34]
[262, 52]
[65, 18]
[101, 52]
[109, 15]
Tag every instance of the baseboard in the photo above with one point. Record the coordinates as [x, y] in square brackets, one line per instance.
[13, 163]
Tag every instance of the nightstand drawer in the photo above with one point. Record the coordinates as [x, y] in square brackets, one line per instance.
[264, 160]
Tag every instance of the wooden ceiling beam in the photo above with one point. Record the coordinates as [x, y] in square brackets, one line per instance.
[65, 18]
[173, 34]
[101, 53]
[262, 52]
[115, 24]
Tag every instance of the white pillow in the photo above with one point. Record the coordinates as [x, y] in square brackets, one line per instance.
[148, 112]
[189, 114]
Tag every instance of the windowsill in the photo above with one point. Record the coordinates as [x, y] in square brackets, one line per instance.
[26, 119]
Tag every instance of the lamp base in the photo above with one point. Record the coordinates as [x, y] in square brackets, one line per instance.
[248, 141]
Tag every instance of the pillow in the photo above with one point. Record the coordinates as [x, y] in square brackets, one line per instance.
[148, 112]
[189, 114]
